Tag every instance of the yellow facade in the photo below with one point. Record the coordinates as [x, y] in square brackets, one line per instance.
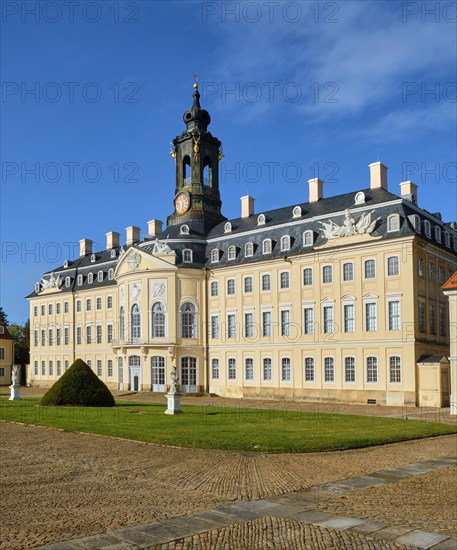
[6, 355]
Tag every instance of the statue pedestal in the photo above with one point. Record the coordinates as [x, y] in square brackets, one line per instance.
[14, 393]
[174, 403]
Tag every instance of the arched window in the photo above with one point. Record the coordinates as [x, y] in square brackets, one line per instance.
[186, 170]
[393, 222]
[111, 274]
[227, 227]
[93, 258]
[266, 246]
[187, 256]
[120, 372]
[80, 280]
[67, 281]
[158, 320]
[113, 253]
[215, 255]
[231, 253]
[308, 238]
[438, 234]
[188, 321]
[100, 276]
[135, 324]
[207, 172]
[296, 213]
[65, 264]
[427, 229]
[90, 278]
[248, 249]
[121, 323]
[285, 243]
[261, 219]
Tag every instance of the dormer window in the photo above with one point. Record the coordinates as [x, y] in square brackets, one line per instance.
[249, 249]
[65, 264]
[67, 281]
[184, 230]
[111, 274]
[261, 219]
[393, 222]
[80, 280]
[227, 227]
[37, 287]
[100, 276]
[308, 238]
[231, 253]
[90, 278]
[416, 222]
[214, 255]
[285, 243]
[437, 234]
[447, 239]
[427, 229]
[296, 213]
[93, 258]
[113, 253]
[266, 246]
[187, 256]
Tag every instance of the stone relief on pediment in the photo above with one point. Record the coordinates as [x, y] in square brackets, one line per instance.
[158, 289]
[365, 225]
[52, 282]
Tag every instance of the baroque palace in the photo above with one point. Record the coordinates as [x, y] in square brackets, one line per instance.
[336, 299]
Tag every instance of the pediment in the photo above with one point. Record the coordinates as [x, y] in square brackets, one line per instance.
[135, 260]
[370, 296]
[327, 300]
[348, 298]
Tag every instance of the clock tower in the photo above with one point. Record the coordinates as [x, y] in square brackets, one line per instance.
[197, 153]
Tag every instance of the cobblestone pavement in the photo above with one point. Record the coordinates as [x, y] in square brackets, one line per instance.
[60, 486]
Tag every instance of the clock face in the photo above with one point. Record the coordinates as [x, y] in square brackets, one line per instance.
[182, 203]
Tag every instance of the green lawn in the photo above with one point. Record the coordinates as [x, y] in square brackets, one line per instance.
[249, 429]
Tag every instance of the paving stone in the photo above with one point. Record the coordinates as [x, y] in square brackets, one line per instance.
[421, 539]
[449, 544]
[216, 519]
[135, 536]
[257, 505]
[240, 513]
[362, 482]
[287, 510]
[367, 527]
[97, 542]
[164, 533]
[391, 532]
[339, 522]
[312, 516]
[67, 545]
[192, 524]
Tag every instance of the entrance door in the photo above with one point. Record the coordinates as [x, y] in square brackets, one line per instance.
[135, 372]
[189, 374]
[158, 373]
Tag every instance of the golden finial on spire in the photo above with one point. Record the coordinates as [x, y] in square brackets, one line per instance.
[196, 80]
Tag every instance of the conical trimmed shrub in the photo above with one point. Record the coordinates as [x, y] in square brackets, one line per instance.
[79, 386]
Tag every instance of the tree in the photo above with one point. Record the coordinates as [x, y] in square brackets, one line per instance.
[21, 335]
[3, 316]
[79, 386]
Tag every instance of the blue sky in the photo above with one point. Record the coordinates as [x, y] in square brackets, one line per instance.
[294, 90]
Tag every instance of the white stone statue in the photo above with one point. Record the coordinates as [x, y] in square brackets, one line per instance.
[174, 377]
[349, 227]
[161, 247]
[52, 282]
[15, 374]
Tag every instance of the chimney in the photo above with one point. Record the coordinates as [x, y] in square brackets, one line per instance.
[378, 175]
[408, 191]
[112, 240]
[154, 228]
[247, 206]
[85, 247]
[316, 189]
[133, 235]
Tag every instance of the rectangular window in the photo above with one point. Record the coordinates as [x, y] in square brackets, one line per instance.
[266, 282]
[327, 274]
[394, 370]
[349, 317]
[231, 369]
[99, 334]
[88, 304]
[2, 371]
[66, 336]
[67, 365]
[284, 280]
[432, 318]
[51, 368]
[35, 338]
[370, 269]
[50, 337]
[65, 307]
[285, 322]
[441, 274]
[431, 271]
[248, 284]
[58, 336]
[109, 334]
[59, 368]
[110, 368]
[35, 368]
[43, 310]
[2, 353]
[43, 368]
[99, 368]
[43, 337]
[329, 369]
[393, 266]
[442, 321]
[372, 369]
[215, 369]
[308, 320]
[307, 276]
[35, 311]
[309, 369]
[214, 288]
[267, 369]
[266, 323]
[231, 326]
[50, 309]
[349, 369]
[420, 267]
[348, 271]
[421, 316]
[214, 326]
[394, 315]
[99, 304]
[78, 306]
[328, 319]
[370, 316]
[89, 334]
[109, 302]
[249, 369]
[248, 325]
[231, 286]
[285, 369]
[58, 308]
[78, 335]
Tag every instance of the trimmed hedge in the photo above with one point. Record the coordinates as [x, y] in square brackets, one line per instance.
[79, 385]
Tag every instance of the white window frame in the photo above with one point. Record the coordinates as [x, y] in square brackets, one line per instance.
[268, 275]
[214, 255]
[214, 289]
[397, 369]
[288, 369]
[249, 370]
[231, 368]
[392, 301]
[367, 303]
[393, 219]
[344, 273]
[231, 252]
[306, 362]
[214, 326]
[187, 256]
[332, 381]
[308, 238]
[346, 357]
[267, 246]
[100, 276]
[324, 270]
[266, 369]
[285, 243]
[398, 265]
[286, 280]
[365, 262]
[375, 371]
[228, 284]
[251, 279]
[215, 368]
[249, 249]
[307, 270]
